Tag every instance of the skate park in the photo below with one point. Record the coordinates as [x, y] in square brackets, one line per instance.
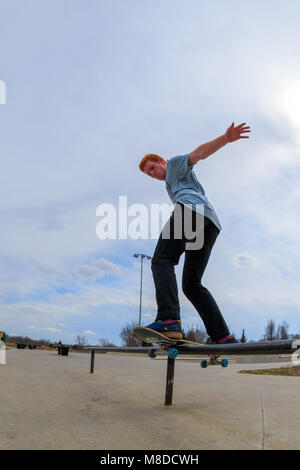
[53, 402]
[110, 122]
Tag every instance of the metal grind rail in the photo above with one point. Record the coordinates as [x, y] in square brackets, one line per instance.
[212, 351]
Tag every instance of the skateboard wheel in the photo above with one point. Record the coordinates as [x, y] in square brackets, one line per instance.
[203, 364]
[224, 362]
[152, 353]
[173, 353]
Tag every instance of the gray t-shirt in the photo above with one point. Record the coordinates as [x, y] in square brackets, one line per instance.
[183, 186]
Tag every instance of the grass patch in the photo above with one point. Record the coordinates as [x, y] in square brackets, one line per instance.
[291, 371]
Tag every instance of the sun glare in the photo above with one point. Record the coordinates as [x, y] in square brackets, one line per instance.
[290, 103]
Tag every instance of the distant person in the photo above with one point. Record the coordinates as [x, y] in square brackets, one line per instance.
[186, 193]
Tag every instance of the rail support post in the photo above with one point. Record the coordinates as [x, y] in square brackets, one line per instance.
[170, 381]
[92, 361]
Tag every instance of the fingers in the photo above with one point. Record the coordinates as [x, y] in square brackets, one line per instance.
[236, 133]
[241, 132]
[242, 125]
[243, 129]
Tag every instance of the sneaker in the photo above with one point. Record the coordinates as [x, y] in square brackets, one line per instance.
[171, 330]
[231, 339]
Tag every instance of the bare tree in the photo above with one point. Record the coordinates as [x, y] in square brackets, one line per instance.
[196, 335]
[105, 342]
[243, 338]
[282, 331]
[26, 340]
[126, 335]
[270, 331]
[81, 341]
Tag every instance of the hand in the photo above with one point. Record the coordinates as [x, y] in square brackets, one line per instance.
[234, 133]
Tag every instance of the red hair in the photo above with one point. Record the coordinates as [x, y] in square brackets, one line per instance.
[152, 157]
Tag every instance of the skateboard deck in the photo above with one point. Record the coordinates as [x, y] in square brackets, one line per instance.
[151, 336]
[169, 345]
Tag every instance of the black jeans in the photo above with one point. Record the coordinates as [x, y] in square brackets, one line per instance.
[166, 256]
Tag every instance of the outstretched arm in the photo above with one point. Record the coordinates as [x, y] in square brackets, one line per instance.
[231, 135]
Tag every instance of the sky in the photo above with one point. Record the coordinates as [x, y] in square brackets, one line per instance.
[91, 87]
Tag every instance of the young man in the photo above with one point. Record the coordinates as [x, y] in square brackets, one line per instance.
[190, 205]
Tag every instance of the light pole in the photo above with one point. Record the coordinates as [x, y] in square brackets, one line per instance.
[136, 255]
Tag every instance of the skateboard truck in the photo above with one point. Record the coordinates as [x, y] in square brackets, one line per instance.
[172, 353]
[214, 361]
[152, 353]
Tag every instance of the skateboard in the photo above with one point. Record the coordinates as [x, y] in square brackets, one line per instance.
[165, 343]
[171, 346]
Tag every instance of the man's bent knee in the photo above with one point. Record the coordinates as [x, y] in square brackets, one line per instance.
[188, 288]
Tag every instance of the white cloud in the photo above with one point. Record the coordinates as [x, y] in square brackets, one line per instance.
[97, 269]
[241, 260]
[50, 328]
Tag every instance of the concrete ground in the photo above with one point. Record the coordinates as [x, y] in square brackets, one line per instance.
[49, 401]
